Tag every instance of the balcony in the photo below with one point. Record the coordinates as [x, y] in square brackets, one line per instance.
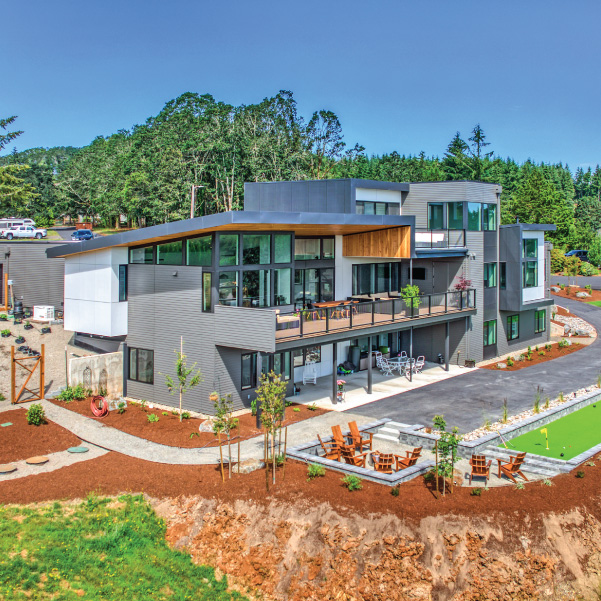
[439, 239]
[361, 315]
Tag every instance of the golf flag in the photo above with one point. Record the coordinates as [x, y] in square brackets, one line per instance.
[544, 431]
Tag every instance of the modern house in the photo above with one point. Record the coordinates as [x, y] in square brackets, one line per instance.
[257, 290]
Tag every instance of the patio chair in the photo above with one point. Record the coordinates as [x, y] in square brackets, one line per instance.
[352, 458]
[512, 467]
[419, 364]
[386, 367]
[480, 468]
[359, 441]
[382, 462]
[403, 355]
[410, 460]
[339, 439]
[310, 373]
[330, 449]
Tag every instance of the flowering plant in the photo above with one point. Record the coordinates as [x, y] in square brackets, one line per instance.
[463, 283]
[341, 382]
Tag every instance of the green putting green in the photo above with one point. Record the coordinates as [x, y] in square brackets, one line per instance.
[571, 435]
[596, 303]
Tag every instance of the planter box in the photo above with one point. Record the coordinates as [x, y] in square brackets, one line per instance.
[470, 363]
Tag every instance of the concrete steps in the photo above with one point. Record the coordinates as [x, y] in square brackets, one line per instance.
[541, 466]
[391, 431]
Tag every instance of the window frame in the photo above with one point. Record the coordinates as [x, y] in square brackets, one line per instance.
[302, 353]
[207, 303]
[511, 320]
[253, 371]
[526, 266]
[537, 317]
[442, 215]
[486, 329]
[129, 365]
[502, 275]
[122, 289]
[487, 268]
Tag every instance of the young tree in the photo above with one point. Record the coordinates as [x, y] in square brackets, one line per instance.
[271, 395]
[182, 372]
[224, 423]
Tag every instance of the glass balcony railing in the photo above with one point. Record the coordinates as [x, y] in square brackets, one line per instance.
[439, 238]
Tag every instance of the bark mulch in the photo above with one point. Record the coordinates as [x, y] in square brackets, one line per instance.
[595, 294]
[21, 441]
[549, 355]
[114, 474]
[171, 432]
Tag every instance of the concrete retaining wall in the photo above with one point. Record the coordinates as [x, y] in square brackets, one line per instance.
[98, 371]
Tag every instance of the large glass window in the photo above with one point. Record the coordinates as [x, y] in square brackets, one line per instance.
[313, 285]
[228, 288]
[513, 327]
[307, 249]
[141, 255]
[328, 248]
[326, 285]
[256, 249]
[490, 332]
[489, 217]
[282, 285]
[530, 248]
[141, 365]
[503, 276]
[530, 274]
[207, 292]
[282, 248]
[122, 283]
[255, 288]
[170, 253]
[455, 215]
[490, 275]
[249, 371]
[474, 216]
[376, 278]
[199, 251]
[366, 207]
[540, 321]
[435, 216]
[281, 365]
[228, 249]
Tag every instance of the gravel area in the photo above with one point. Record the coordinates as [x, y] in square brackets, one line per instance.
[56, 343]
[575, 326]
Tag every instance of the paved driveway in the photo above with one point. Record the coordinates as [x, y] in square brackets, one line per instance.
[580, 280]
[468, 400]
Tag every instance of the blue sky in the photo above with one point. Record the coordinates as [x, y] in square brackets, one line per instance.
[401, 75]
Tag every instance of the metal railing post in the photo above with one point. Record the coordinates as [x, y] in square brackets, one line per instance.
[446, 302]
[327, 319]
[429, 304]
[350, 316]
[300, 315]
[373, 313]
[461, 300]
[412, 305]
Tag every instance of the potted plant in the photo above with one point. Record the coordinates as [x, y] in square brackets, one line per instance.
[340, 393]
[384, 350]
[19, 340]
[4, 317]
[213, 397]
[470, 363]
[27, 326]
[410, 294]
[5, 333]
[46, 330]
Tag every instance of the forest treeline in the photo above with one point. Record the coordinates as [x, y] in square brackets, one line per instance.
[146, 173]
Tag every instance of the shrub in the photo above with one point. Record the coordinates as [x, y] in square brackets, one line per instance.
[152, 418]
[547, 401]
[589, 288]
[558, 260]
[143, 404]
[253, 407]
[510, 362]
[429, 476]
[476, 492]
[296, 409]
[164, 413]
[288, 403]
[4, 317]
[487, 424]
[121, 408]
[35, 415]
[3, 398]
[312, 407]
[568, 290]
[561, 398]
[186, 415]
[541, 353]
[580, 474]
[5, 332]
[395, 490]
[548, 347]
[520, 486]
[563, 343]
[74, 393]
[315, 471]
[547, 482]
[352, 482]
[562, 286]
[529, 356]
[590, 463]
[587, 269]
[505, 412]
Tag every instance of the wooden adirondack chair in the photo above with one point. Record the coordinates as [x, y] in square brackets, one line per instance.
[330, 449]
[358, 437]
[411, 458]
[480, 468]
[348, 454]
[339, 439]
[383, 462]
[512, 467]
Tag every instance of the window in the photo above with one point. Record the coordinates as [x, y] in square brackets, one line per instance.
[529, 274]
[375, 278]
[365, 207]
[540, 321]
[256, 249]
[313, 285]
[455, 215]
[282, 248]
[311, 354]
[513, 327]
[170, 253]
[122, 283]
[228, 288]
[502, 276]
[141, 255]
[530, 248]
[256, 291]
[490, 275]
[249, 371]
[419, 273]
[474, 216]
[490, 332]
[207, 292]
[328, 248]
[435, 216]
[282, 286]
[307, 248]
[228, 249]
[141, 365]
[281, 365]
[489, 217]
[199, 251]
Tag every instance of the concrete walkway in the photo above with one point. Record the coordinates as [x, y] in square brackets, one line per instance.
[468, 401]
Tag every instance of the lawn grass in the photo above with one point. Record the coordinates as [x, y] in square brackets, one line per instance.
[99, 549]
[596, 303]
[571, 435]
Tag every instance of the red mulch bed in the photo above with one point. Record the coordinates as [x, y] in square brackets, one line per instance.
[21, 441]
[596, 294]
[554, 353]
[171, 432]
[114, 474]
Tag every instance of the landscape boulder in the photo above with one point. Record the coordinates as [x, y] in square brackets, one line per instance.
[555, 289]
[502, 365]
[582, 294]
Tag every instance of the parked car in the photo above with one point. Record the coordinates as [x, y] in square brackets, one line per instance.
[581, 254]
[80, 235]
[23, 231]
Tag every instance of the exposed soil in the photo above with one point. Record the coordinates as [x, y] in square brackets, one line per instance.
[171, 432]
[21, 441]
[595, 294]
[554, 353]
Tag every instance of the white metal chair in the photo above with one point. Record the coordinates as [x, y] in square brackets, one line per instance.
[419, 364]
[310, 374]
[386, 367]
[403, 355]
[378, 356]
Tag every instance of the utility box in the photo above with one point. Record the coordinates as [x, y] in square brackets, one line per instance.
[43, 313]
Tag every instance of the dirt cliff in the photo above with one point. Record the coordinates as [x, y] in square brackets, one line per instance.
[303, 551]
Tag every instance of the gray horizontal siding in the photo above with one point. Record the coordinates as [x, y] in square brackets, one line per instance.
[243, 328]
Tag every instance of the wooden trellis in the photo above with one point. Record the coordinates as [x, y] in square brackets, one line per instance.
[30, 365]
